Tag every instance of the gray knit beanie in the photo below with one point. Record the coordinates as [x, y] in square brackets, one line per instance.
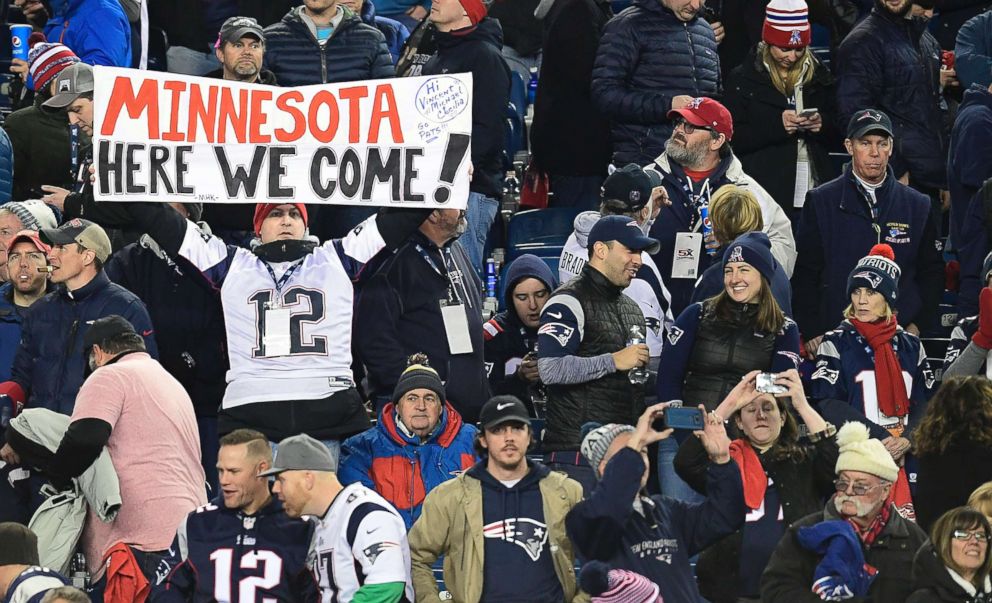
[597, 442]
[33, 214]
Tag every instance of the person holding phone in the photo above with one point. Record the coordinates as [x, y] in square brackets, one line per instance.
[782, 101]
[784, 479]
[654, 535]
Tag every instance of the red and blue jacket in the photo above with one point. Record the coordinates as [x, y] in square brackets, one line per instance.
[400, 468]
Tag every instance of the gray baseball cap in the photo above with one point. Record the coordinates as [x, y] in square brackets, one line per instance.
[300, 453]
[72, 82]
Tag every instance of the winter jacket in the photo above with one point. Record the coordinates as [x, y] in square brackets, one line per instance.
[587, 318]
[953, 16]
[706, 356]
[6, 167]
[42, 150]
[972, 246]
[49, 363]
[520, 25]
[646, 57]
[186, 311]
[395, 32]
[946, 480]
[507, 339]
[98, 487]
[963, 357]
[837, 230]
[933, 582]
[400, 467]
[478, 51]
[801, 483]
[657, 540]
[355, 51]
[96, 30]
[845, 371]
[572, 30]
[683, 216]
[973, 51]
[398, 314]
[969, 160]
[711, 283]
[10, 329]
[893, 64]
[789, 575]
[767, 152]
[451, 525]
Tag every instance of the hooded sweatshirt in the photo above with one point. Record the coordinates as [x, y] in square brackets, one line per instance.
[647, 288]
[516, 539]
[506, 337]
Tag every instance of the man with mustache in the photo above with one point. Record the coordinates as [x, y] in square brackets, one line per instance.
[859, 547]
[499, 525]
[697, 161]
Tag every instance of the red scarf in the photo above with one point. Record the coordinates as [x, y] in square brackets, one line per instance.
[752, 473]
[869, 534]
[891, 389]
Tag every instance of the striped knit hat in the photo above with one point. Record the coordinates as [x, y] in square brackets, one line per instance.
[597, 442]
[787, 24]
[616, 585]
[33, 214]
[47, 60]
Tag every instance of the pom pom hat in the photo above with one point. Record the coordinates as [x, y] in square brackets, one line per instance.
[877, 271]
[860, 452]
[787, 24]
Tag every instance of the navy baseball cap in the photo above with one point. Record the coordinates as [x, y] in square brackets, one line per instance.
[625, 231]
[869, 121]
[631, 185]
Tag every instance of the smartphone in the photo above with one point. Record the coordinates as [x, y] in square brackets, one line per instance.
[683, 417]
[765, 383]
[809, 112]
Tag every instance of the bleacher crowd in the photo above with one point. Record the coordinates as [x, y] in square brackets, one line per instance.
[714, 324]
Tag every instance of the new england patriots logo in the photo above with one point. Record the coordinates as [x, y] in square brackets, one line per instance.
[674, 334]
[528, 534]
[373, 551]
[736, 255]
[562, 333]
[794, 39]
[653, 324]
[873, 279]
[694, 103]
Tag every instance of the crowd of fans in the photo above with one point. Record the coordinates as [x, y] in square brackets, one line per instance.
[737, 379]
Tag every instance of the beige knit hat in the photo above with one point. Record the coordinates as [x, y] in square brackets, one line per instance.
[859, 452]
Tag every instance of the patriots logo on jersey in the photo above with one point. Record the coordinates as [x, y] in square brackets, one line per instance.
[653, 324]
[826, 374]
[528, 534]
[792, 356]
[674, 334]
[560, 332]
[372, 552]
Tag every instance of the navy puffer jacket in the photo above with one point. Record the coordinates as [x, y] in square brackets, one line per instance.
[893, 64]
[6, 167]
[355, 51]
[646, 57]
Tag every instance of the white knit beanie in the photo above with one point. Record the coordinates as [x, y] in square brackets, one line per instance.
[33, 214]
[859, 452]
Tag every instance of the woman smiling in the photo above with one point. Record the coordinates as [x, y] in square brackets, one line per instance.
[954, 565]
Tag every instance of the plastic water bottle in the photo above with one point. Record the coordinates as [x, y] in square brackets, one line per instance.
[78, 573]
[638, 375]
[532, 86]
[704, 215]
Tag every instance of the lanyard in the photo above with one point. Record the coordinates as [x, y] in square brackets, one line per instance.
[74, 147]
[453, 287]
[697, 200]
[281, 282]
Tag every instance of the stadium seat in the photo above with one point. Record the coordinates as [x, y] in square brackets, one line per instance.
[542, 232]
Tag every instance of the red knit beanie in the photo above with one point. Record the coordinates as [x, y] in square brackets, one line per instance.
[262, 211]
[475, 9]
[787, 24]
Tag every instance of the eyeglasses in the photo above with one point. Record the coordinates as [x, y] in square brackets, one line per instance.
[689, 128]
[858, 489]
[965, 535]
[35, 257]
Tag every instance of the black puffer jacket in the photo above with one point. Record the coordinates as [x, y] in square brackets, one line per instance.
[646, 57]
[609, 315]
[933, 584]
[893, 64]
[355, 51]
[767, 152]
[803, 481]
[477, 51]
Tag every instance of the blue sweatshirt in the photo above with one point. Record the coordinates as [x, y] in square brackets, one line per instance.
[657, 544]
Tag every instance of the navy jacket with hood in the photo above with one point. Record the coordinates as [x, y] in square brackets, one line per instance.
[711, 283]
[837, 230]
[395, 32]
[646, 57]
[96, 30]
[893, 64]
[355, 51]
[658, 542]
[507, 339]
[516, 539]
[49, 364]
[399, 314]
[477, 50]
[969, 159]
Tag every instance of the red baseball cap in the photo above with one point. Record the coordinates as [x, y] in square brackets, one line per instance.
[30, 236]
[707, 113]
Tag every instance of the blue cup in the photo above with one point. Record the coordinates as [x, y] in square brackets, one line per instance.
[19, 34]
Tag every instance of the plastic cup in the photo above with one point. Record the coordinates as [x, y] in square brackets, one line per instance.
[19, 33]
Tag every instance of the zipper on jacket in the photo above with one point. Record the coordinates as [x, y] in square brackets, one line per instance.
[413, 476]
[323, 63]
[692, 56]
